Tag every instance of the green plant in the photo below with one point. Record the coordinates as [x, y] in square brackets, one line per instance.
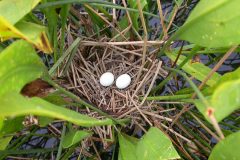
[211, 28]
[13, 24]
[153, 145]
[14, 75]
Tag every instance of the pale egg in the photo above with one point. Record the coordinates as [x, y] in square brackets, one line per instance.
[123, 81]
[107, 79]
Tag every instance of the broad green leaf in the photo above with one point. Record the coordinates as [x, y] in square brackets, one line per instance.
[119, 155]
[1, 48]
[74, 137]
[155, 145]
[56, 98]
[213, 24]
[11, 12]
[11, 125]
[4, 142]
[201, 107]
[227, 149]
[226, 99]
[225, 96]
[44, 121]
[14, 105]
[15, 10]
[227, 132]
[235, 75]
[1, 122]
[196, 69]
[128, 146]
[7, 30]
[16, 62]
[33, 33]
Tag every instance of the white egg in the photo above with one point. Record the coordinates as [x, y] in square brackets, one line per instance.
[107, 79]
[123, 81]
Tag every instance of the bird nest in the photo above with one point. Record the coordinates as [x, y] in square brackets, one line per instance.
[95, 58]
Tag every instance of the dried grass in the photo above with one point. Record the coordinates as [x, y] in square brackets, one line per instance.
[92, 60]
[136, 58]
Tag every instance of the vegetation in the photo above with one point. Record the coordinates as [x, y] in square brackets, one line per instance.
[178, 106]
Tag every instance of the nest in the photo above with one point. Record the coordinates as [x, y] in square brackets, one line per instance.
[95, 58]
[92, 59]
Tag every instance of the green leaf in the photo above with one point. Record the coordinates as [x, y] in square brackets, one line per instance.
[135, 16]
[14, 105]
[56, 98]
[44, 121]
[14, 10]
[205, 91]
[235, 75]
[155, 145]
[212, 24]
[1, 122]
[74, 137]
[11, 125]
[64, 15]
[124, 22]
[97, 20]
[11, 12]
[128, 146]
[16, 62]
[14, 75]
[201, 107]
[226, 99]
[178, 2]
[105, 12]
[120, 155]
[4, 142]
[1, 48]
[227, 148]
[35, 34]
[52, 25]
[196, 69]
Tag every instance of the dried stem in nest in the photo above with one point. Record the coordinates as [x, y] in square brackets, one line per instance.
[92, 61]
[86, 68]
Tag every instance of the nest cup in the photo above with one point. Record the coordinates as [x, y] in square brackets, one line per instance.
[95, 58]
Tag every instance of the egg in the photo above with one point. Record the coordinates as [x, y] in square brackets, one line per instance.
[107, 79]
[123, 81]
